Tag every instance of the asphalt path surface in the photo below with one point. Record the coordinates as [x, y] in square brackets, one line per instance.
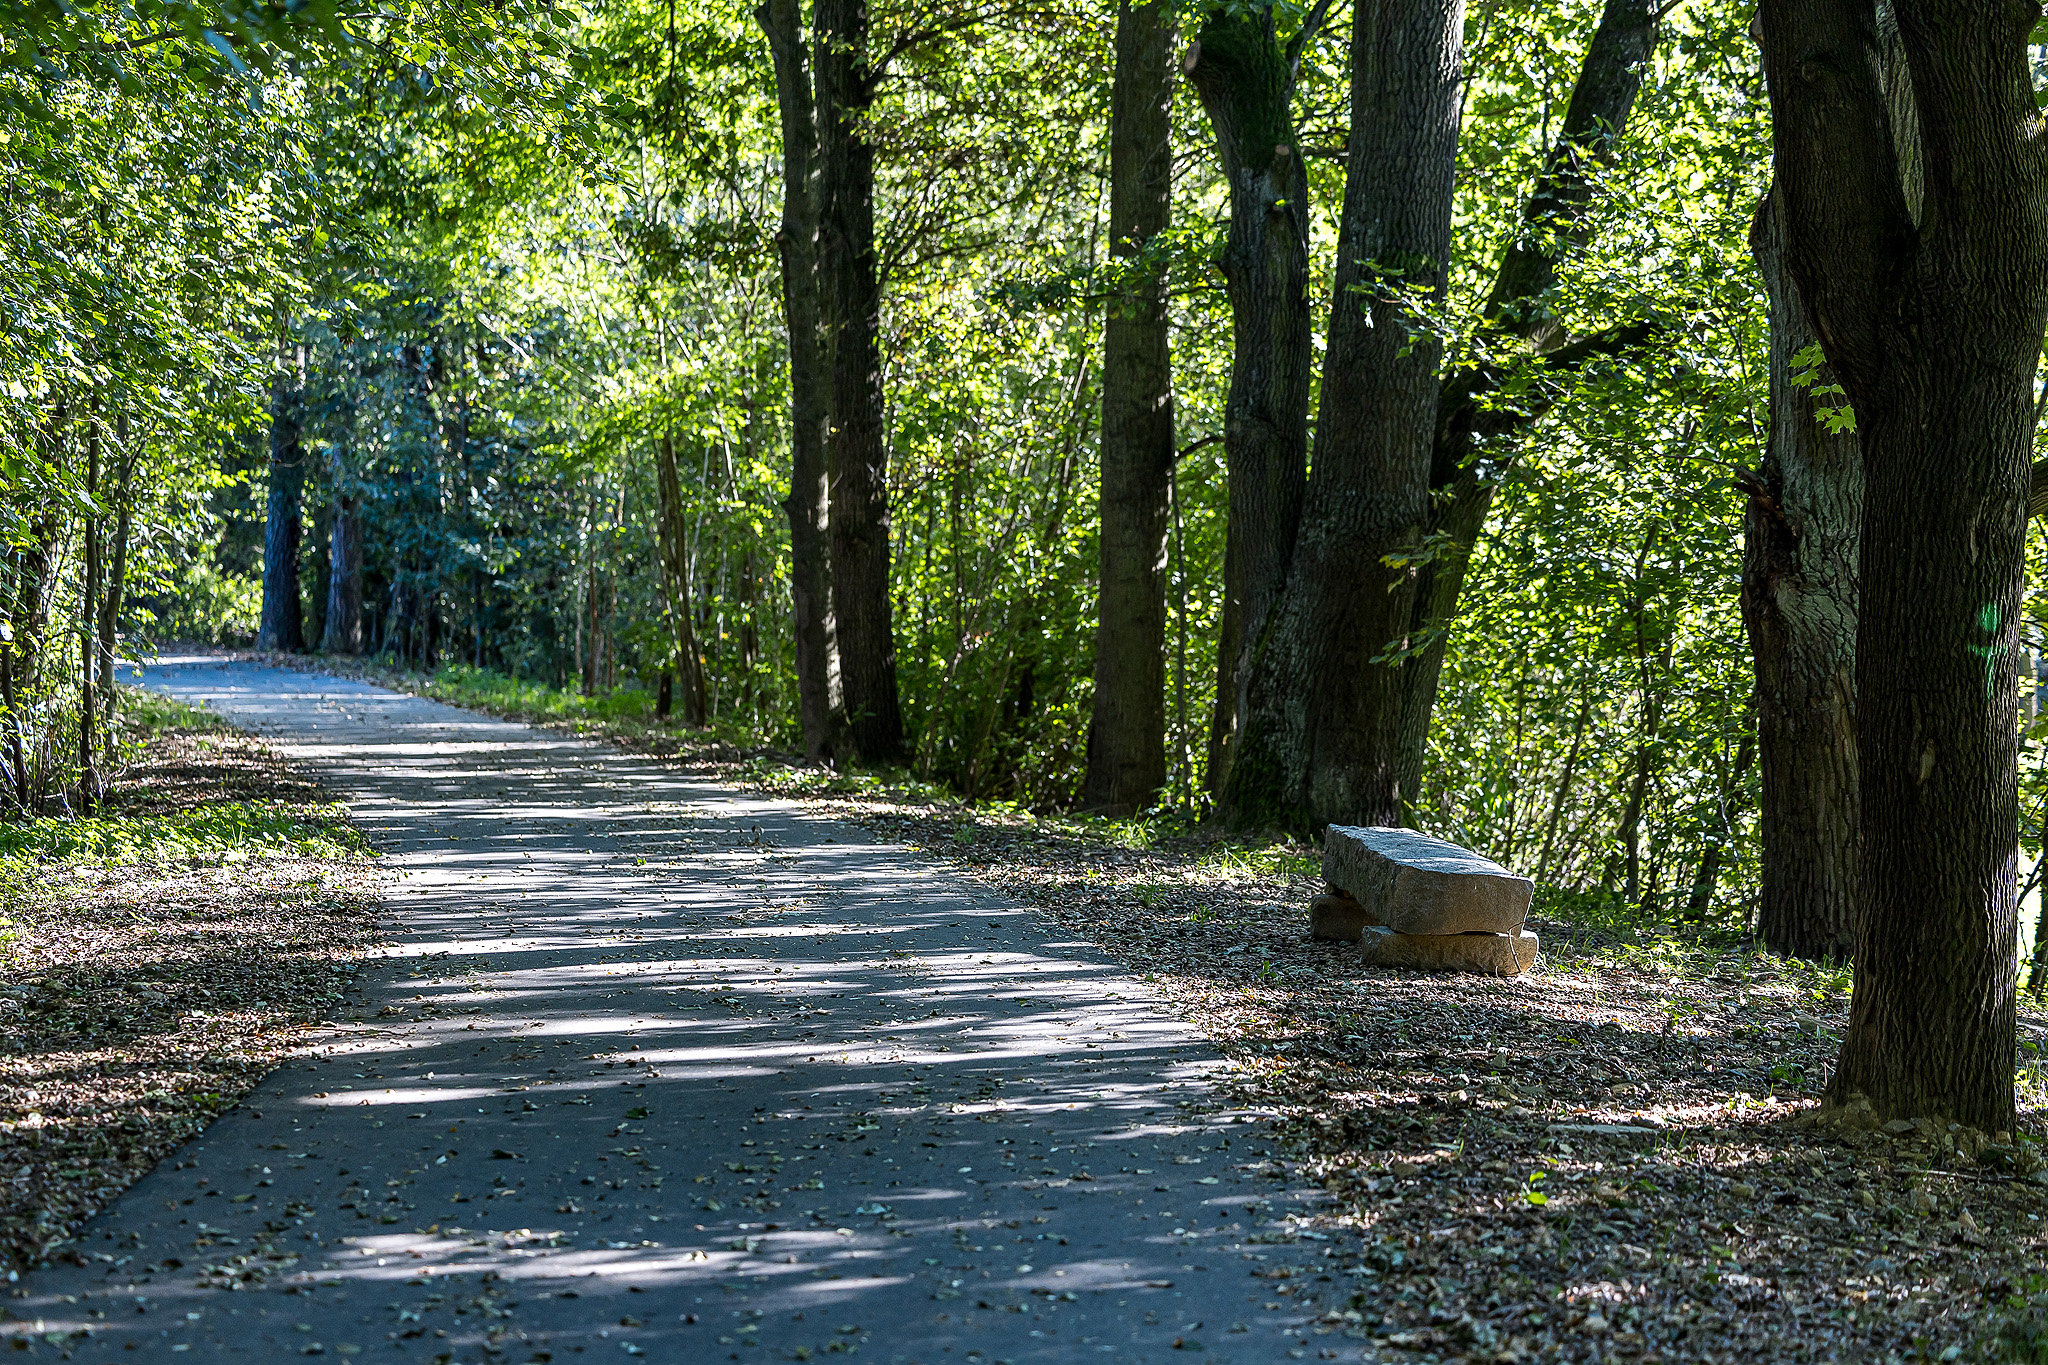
[648, 1067]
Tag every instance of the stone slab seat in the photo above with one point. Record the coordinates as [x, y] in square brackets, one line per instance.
[1416, 884]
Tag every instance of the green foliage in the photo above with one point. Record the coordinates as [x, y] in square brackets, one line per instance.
[1809, 370]
[514, 248]
[209, 605]
[227, 831]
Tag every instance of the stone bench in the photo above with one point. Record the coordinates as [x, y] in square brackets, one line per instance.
[1413, 900]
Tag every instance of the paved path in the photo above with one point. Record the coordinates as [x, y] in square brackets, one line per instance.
[652, 1068]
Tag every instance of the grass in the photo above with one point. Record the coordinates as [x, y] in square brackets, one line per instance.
[224, 831]
[155, 832]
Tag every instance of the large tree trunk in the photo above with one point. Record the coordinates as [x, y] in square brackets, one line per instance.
[859, 438]
[1520, 311]
[343, 633]
[1246, 78]
[820, 702]
[675, 563]
[1322, 720]
[282, 625]
[1932, 315]
[1799, 607]
[1127, 730]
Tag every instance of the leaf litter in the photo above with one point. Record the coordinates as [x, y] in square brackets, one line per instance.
[1611, 1157]
[158, 961]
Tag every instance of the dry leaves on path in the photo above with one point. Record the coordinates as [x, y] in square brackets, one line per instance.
[158, 961]
[1607, 1158]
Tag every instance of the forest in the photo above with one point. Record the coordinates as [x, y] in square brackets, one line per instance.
[1571, 429]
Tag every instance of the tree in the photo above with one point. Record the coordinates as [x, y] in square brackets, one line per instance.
[1931, 307]
[859, 429]
[675, 563]
[1322, 726]
[1800, 536]
[820, 696]
[1524, 352]
[1246, 75]
[1127, 728]
[281, 625]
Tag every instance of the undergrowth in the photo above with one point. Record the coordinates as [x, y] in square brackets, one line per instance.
[216, 831]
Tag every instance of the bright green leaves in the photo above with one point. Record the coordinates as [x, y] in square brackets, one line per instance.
[1831, 407]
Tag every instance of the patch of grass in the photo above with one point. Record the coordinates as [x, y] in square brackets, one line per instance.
[219, 830]
[1281, 858]
[152, 818]
[144, 713]
[2030, 1077]
[464, 685]
[2019, 1331]
[626, 713]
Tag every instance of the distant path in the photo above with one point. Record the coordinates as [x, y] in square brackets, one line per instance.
[657, 1068]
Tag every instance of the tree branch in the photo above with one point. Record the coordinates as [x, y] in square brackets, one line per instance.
[1459, 417]
[1553, 217]
[1311, 23]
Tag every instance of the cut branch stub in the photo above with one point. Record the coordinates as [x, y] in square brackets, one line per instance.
[1418, 884]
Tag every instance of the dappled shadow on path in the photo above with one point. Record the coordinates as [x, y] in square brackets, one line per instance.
[687, 1073]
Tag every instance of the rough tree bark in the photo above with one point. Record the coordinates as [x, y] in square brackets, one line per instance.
[1322, 723]
[820, 702]
[1127, 730]
[343, 622]
[1800, 535]
[1935, 330]
[1245, 76]
[859, 438]
[675, 564]
[282, 623]
[1520, 312]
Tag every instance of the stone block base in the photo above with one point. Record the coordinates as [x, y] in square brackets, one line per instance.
[1338, 919]
[1485, 954]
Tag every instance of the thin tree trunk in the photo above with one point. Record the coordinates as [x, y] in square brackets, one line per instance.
[1127, 729]
[2037, 972]
[19, 774]
[859, 438]
[117, 573]
[1799, 607]
[675, 561]
[1932, 315]
[31, 618]
[1520, 311]
[1322, 721]
[323, 573]
[9, 664]
[1246, 77]
[282, 623]
[1716, 852]
[1631, 831]
[88, 642]
[820, 700]
[1564, 781]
